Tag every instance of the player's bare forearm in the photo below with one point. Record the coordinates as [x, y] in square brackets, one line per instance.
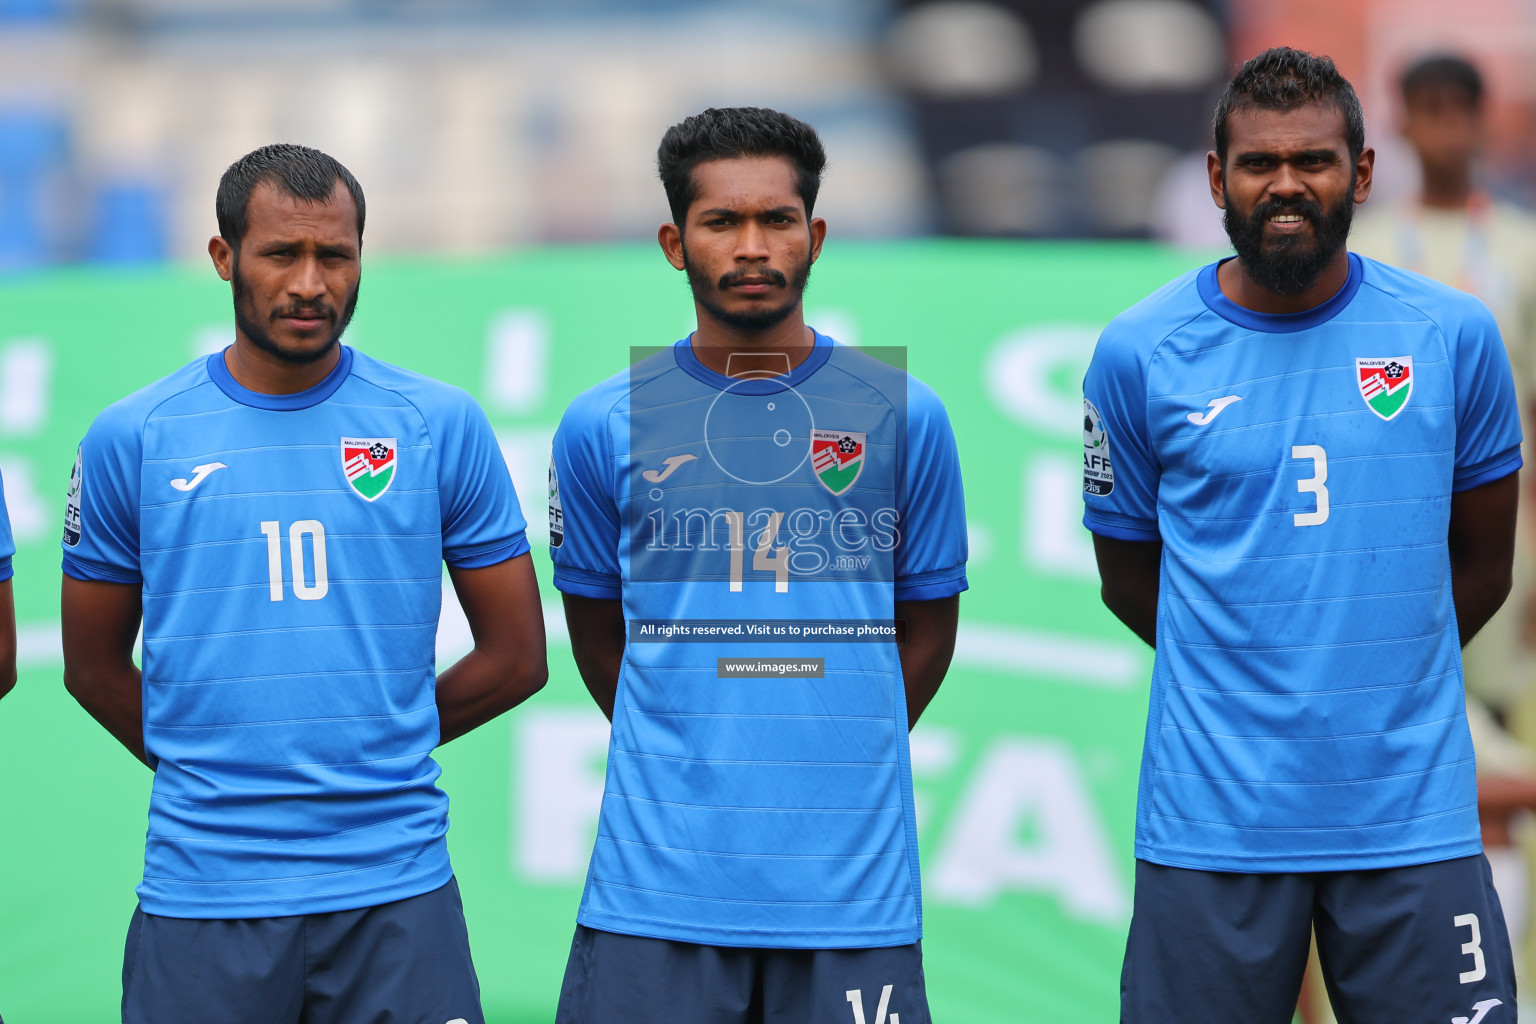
[100, 622]
[1482, 546]
[508, 663]
[930, 644]
[597, 640]
[481, 686]
[7, 638]
[1129, 572]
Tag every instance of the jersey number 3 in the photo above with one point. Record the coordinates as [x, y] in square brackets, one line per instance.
[1313, 484]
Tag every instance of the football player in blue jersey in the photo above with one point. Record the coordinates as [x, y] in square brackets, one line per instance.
[277, 515]
[754, 485]
[1300, 472]
[7, 602]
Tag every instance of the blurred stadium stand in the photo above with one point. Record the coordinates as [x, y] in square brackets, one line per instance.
[479, 125]
[1057, 118]
[33, 161]
[473, 125]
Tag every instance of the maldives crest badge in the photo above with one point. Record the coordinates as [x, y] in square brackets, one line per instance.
[369, 464]
[1385, 383]
[837, 457]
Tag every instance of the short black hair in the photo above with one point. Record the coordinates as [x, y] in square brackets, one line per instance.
[1440, 71]
[296, 171]
[1282, 78]
[732, 132]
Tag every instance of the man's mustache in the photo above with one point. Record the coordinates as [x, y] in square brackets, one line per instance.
[740, 274]
[317, 312]
[1305, 207]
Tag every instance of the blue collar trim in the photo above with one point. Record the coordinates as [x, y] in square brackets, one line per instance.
[280, 403]
[821, 351]
[1277, 323]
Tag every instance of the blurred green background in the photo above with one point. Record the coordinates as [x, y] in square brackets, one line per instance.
[1025, 766]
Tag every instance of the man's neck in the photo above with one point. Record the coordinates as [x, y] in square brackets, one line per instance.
[1237, 285]
[258, 370]
[1447, 189]
[730, 351]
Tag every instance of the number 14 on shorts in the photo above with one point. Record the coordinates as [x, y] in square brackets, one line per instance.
[856, 997]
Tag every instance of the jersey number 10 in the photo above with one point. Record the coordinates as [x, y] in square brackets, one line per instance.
[302, 588]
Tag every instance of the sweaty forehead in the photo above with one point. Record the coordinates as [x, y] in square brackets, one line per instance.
[1312, 126]
[746, 184]
[274, 214]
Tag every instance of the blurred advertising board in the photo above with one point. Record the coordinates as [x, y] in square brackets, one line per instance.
[1025, 766]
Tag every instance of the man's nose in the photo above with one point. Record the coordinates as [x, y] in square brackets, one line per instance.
[752, 242]
[1287, 184]
[306, 281]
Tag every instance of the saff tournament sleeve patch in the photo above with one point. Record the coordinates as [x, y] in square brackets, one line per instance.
[556, 513]
[1098, 471]
[72, 506]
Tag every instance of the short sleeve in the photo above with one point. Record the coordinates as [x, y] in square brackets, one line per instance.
[1487, 414]
[101, 516]
[481, 520]
[1120, 470]
[7, 542]
[584, 517]
[931, 552]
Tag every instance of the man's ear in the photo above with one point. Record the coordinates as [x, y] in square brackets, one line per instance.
[670, 237]
[1218, 182]
[1365, 168]
[223, 256]
[818, 236]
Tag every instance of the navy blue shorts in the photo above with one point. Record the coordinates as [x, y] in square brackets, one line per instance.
[627, 979]
[1419, 943]
[405, 962]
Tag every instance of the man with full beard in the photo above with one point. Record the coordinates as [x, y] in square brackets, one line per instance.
[1300, 472]
[278, 515]
[756, 857]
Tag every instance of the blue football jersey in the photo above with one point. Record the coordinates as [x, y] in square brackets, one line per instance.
[1307, 710]
[7, 544]
[290, 551]
[769, 812]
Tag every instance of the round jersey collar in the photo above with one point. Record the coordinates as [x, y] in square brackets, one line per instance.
[281, 403]
[821, 351]
[1277, 323]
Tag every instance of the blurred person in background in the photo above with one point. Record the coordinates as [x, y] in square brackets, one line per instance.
[1307, 563]
[1456, 232]
[245, 509]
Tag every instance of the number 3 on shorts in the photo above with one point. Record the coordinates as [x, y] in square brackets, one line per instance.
[1474, 949]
